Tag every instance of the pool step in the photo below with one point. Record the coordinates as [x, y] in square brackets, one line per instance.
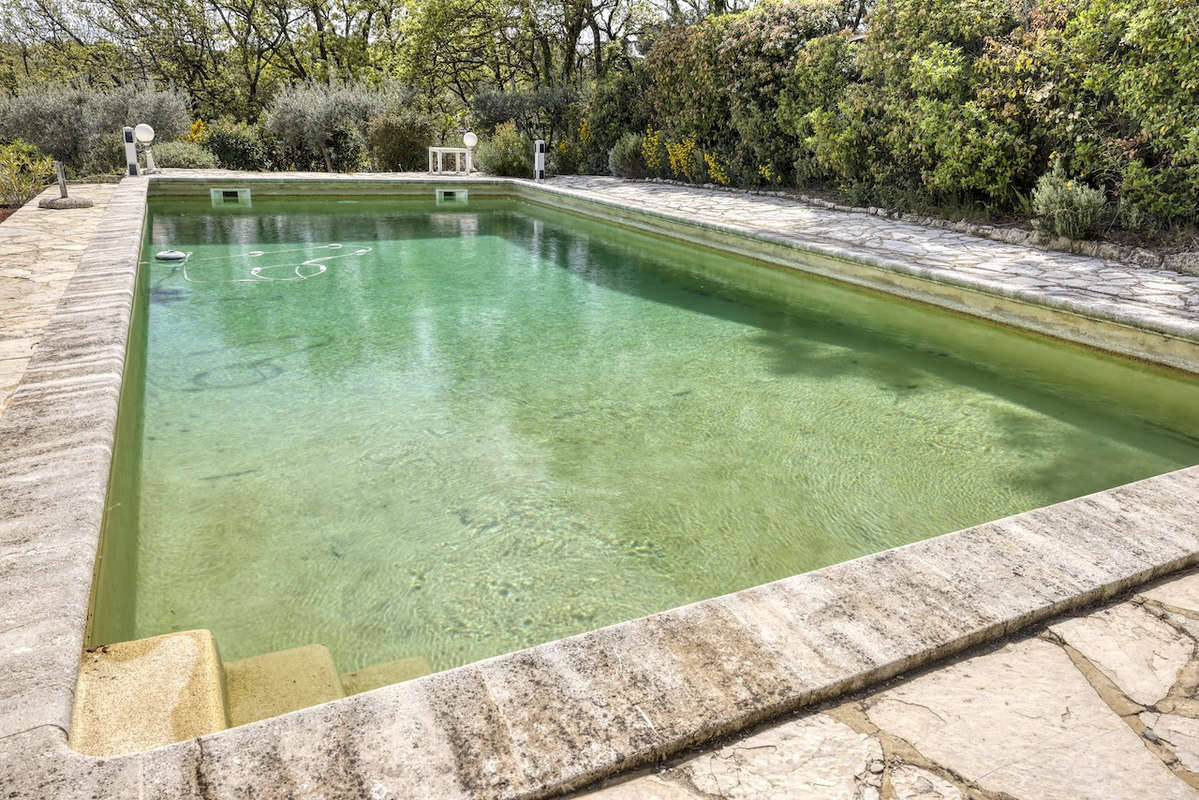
[380, 675]
[146, 693]
[275, 683]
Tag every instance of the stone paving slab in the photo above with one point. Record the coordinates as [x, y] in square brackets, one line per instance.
[555, 717]
[39, 253]
[1140, 653]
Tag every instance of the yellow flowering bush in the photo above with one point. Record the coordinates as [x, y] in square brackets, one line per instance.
[716, 171]
[196, 132]
[651, 149]
[681, 157]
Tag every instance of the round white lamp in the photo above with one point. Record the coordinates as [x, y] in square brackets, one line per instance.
[145, 135]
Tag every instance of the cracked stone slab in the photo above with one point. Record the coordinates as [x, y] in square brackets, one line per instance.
[909, 782]
[814, 756]
[1141, 654]
[1024, 721]
[1180, 593]
[1180, 734]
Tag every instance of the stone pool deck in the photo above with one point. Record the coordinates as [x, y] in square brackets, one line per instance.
[39, 251]
[1101, 704]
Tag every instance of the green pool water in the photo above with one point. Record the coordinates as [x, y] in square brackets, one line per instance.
[473, 428]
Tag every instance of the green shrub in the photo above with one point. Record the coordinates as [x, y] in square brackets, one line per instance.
[67, 121]
[58, 120]
[615, 107]
[823, 69]
[566, 158]
[909, 126]
[578, 153]
[400, 141]
[1067, 207]
[1114, 90]
[326, 123]
[24, 171]
[506, 152]
[719, 83]
[345, 146]
[237, 145]
[626, 159]
[542, 112]
[165, 110]
[551, 113]
[106, 155]
[183, 155]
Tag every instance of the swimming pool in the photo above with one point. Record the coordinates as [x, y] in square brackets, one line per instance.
[403, 429]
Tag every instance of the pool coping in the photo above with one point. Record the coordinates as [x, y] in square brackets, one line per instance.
[538, 721]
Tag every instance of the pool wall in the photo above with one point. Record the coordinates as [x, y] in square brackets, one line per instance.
[1107, 325]
[560, 715]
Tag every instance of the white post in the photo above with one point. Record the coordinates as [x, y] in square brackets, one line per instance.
[430, 160]
[469, 164]
[539, 159]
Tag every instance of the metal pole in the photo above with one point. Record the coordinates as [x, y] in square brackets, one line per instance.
[62, 179]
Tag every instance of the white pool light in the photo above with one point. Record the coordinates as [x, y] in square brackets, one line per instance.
[145, 136]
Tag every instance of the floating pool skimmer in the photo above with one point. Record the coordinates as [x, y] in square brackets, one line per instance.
[170, 255]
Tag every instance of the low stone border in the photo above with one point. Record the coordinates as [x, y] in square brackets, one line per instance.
[531, 723]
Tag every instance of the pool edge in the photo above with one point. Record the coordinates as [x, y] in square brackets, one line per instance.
[541, 720]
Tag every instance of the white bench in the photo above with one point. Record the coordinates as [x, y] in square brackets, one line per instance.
[462, 158]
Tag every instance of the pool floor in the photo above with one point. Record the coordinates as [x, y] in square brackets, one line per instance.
[401, 429]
